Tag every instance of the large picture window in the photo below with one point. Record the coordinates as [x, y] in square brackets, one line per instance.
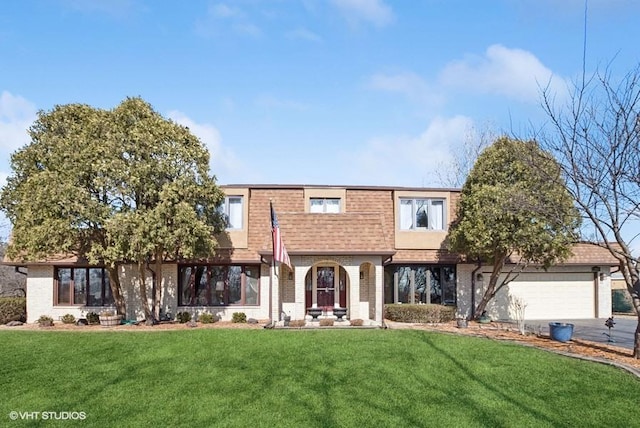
[420, 284]
[422, 214]
[218, 285]
[231, 209]
[87, 286]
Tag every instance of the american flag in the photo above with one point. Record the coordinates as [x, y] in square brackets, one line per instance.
[279, 251]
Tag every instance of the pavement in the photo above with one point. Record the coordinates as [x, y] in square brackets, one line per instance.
[595, 330]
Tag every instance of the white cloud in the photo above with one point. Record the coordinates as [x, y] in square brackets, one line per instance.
[408, 160]
[375, 12]
[222, 19]
[303, 34]
[223, 161]
[222, 10]
[16, 116]
[514, 73]
[408, 84]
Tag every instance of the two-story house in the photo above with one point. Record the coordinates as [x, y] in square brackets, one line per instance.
[353, 247]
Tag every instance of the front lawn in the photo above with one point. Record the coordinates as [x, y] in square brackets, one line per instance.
[272, 378]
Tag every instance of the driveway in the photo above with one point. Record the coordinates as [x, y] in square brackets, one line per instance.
[595, 330]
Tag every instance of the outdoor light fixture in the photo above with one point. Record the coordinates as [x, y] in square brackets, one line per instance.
[480, 277]
[361, 274]
[290, 275]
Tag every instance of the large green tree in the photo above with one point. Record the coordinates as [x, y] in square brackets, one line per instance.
[112, 186]
[510, 215]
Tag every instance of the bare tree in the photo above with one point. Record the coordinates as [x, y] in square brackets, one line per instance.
[595, 137]
[464, 156]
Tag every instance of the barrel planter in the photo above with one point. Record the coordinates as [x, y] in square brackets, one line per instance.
[110, 320]
[560, 331]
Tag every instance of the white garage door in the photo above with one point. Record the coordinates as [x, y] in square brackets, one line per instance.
[550, 296]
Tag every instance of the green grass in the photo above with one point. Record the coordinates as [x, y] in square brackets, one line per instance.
[271, 378]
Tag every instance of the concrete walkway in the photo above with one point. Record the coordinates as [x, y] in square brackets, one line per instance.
[595, 330]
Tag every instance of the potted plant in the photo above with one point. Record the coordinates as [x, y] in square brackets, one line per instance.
[339, 313]
[109, 318]
[315, 313]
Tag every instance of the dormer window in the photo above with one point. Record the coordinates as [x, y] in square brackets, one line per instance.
[422, 214]
[324, 205]
[231, 209]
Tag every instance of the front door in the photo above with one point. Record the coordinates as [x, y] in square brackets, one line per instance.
[326, 286]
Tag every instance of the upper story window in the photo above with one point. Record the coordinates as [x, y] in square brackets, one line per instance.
[232, 210]
[422, 214]
[324, 205]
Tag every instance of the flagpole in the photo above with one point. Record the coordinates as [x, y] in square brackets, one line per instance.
[272, 269]
[279, 255]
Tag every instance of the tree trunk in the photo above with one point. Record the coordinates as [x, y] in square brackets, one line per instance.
[158, 284]
[635, 298]
[142, 286]
[632, 280]
[491, 290]
[116, 291]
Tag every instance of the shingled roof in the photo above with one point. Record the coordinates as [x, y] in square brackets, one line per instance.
[591, 254]
[346, 233]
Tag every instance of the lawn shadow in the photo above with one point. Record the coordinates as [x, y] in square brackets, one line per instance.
[468, 372]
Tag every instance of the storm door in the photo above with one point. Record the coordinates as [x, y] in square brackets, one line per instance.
[325, 286]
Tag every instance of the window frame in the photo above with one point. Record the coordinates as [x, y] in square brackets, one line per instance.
[215, 297]
[225, 210]
[428, 204]
[324, 205]
[106, 297]
[402, 283]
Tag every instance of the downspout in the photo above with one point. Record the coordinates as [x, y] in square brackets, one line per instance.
[473, 290]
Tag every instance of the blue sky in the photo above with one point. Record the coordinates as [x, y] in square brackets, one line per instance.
[368, 92]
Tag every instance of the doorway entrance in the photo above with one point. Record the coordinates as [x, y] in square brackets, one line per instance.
[326, 287]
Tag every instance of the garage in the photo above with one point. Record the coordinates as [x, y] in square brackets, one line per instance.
[553, 295]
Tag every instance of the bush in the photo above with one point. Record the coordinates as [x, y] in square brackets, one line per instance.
[356, 322]
[326, 322]
[183, 317]
[45, 321]
[621, 301]
[93, 318]
[297, 323]
[207, 318]
[13, 309]
[239, 317]
[419, 313]
[68, 319]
